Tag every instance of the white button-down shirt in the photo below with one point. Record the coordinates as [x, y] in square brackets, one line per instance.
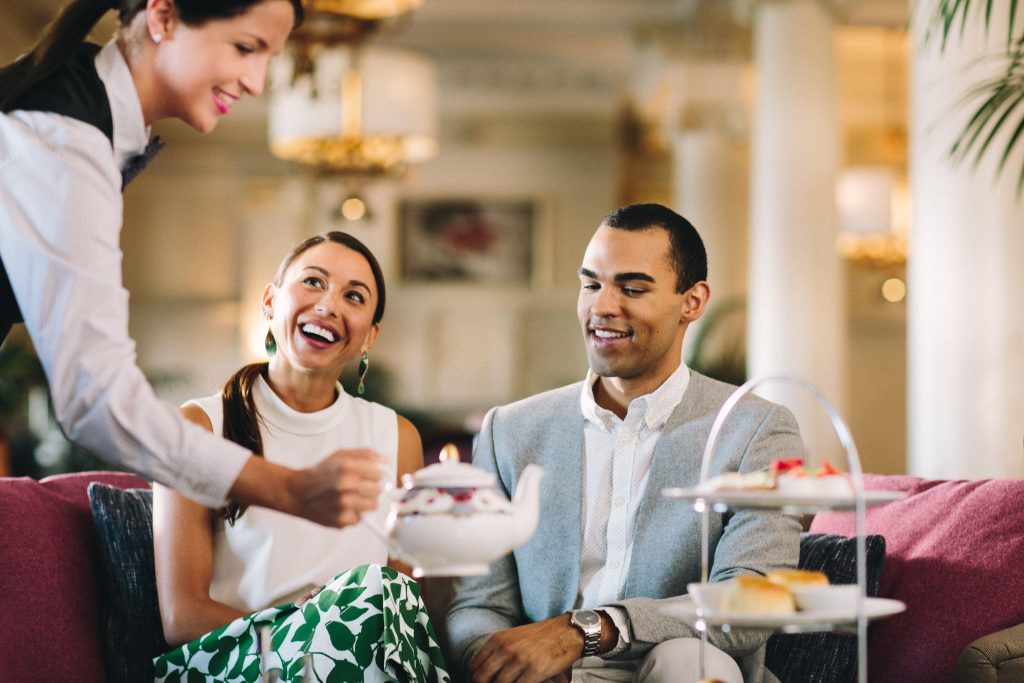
[618, 456]
[60, 225]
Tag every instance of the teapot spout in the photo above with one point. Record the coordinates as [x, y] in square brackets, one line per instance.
[526, 501]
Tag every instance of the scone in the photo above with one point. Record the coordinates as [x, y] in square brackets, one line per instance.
[749, 594]
[798, 578]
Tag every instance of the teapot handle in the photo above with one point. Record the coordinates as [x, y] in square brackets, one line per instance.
[390, 496]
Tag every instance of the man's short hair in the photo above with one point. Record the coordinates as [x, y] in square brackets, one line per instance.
[689, 258]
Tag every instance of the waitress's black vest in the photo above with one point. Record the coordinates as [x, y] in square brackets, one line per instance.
[74, 90]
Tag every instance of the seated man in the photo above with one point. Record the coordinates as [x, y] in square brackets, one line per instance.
[582, 599]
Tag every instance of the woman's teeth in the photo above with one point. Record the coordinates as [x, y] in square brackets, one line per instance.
[316, 330]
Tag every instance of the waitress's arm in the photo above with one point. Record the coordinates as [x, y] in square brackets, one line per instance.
[60, 214]
[60, 226]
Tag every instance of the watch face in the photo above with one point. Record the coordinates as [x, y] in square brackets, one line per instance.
[586, 617]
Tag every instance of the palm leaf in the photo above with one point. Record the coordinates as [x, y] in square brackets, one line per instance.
[998, 91]
[997, 97]
[1002, 98]
[1014, 139]
[1013, 19]
[946, 13]
[1002, 109]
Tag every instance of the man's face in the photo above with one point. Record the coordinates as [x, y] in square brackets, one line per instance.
[632, 317]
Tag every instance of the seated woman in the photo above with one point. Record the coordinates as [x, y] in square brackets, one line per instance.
[223, 576]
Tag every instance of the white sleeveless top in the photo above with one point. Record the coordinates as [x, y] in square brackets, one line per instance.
[268, 558]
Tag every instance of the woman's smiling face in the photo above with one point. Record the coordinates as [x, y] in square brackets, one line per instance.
[321, 313]
[202, 70]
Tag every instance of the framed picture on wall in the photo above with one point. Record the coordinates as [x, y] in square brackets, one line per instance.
[468, 240]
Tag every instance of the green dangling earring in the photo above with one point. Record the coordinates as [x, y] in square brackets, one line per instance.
[364, 366]
[270, 344]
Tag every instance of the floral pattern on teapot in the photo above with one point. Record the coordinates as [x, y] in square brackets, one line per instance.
[460, 500]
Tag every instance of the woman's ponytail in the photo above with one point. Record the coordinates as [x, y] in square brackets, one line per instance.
[54, 47]
[241, 420]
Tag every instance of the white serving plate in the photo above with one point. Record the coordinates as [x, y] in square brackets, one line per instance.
[772, 500]
[837, 599]
[874, 608]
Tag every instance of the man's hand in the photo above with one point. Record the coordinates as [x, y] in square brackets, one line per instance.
[529, 654]
[339, 489]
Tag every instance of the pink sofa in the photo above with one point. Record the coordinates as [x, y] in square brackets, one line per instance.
[955, 556]
[954, 552]
[49, 586]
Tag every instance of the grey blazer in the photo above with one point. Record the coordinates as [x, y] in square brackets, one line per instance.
[540, 579]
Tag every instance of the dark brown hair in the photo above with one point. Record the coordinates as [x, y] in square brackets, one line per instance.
[79, 17]
[688, 255]
[241, 418]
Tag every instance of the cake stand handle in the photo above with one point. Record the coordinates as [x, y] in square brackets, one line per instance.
[856, 476]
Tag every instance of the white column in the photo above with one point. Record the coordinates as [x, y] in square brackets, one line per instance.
[797, 312]
[710, 176]
[965, 280]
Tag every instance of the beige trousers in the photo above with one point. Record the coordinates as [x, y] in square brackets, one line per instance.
[674, 661]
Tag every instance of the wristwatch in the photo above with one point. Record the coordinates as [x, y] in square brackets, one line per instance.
[589, 623]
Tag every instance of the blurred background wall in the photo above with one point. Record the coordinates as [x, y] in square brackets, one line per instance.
[571, 108]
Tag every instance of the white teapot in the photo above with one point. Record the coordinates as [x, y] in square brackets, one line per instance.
[450, 519]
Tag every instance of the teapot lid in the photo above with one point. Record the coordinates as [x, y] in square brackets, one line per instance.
[450, 473]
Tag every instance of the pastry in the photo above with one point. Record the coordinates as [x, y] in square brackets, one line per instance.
[798, 578]
[826, 481]
[748, 594]
[739, 481]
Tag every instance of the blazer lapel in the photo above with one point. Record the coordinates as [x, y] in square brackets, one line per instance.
[565, 527]
[676, 463]
[554, 550]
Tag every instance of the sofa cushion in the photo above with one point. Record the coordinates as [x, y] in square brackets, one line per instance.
[832, 657]
[953, 556]
[50, 629]
[131, 610]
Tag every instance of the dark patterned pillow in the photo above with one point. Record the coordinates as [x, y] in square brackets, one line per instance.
[132, 631]
[826, 657]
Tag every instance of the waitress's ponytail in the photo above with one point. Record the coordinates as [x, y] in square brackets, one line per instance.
[54, 47]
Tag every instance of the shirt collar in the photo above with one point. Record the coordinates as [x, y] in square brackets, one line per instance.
[652, 409]
[130, 131]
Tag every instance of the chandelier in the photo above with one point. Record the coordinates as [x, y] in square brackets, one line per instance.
[344, 105]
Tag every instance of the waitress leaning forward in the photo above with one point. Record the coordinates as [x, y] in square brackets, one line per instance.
[73, 129]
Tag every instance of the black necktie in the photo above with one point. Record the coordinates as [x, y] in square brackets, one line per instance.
[139, 161]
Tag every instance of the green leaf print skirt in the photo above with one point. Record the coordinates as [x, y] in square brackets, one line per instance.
[367, 624]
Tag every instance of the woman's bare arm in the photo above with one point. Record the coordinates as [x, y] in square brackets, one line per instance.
[183, 550]
[410, 459]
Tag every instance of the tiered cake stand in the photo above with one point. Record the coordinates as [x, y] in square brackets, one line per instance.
[704, 502]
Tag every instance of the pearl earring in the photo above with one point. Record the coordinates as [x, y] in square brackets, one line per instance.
[157, 38]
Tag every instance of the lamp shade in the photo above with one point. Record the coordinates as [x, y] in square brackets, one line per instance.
[366, 9]
[361, 108]
[864, 197]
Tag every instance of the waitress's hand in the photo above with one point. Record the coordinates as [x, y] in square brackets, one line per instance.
[335, 492]
[339, 489]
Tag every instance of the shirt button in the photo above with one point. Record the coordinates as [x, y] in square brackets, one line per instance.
[615, 564]
[620, 501]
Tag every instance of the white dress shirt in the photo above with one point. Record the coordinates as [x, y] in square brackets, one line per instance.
[60, 225]
[617, 464]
